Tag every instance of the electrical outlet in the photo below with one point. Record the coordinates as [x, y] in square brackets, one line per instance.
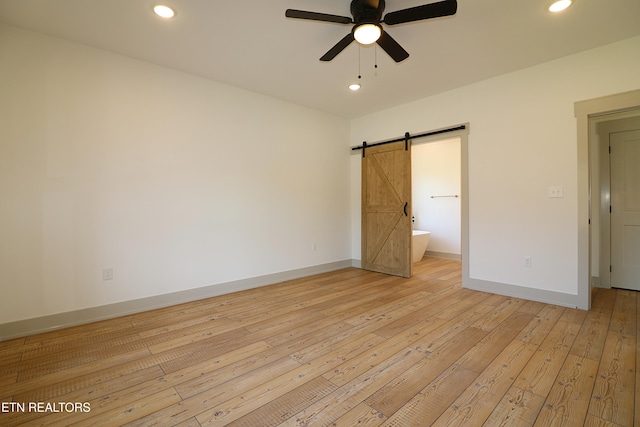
[527, 261]
[314, 247]
[107, 273]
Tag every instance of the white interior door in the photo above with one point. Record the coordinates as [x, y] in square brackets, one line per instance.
[625, 209]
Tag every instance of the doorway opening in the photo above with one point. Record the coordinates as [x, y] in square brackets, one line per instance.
[436, 195]
[615, 205]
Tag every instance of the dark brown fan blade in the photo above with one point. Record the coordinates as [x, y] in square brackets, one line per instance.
[389, 45]
[315, 16]
[426, 11]
[339, 47]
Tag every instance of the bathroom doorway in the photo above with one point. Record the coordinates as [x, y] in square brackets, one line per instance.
[437, 195]
[459, 133]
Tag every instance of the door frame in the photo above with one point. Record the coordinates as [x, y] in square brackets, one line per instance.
[463, 134]
[587, 113]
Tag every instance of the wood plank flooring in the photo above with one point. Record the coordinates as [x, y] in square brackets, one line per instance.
[347, 348]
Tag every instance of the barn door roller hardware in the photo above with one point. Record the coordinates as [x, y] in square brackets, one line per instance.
[406, 138]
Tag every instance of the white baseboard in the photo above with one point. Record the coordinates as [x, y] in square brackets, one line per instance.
[596, 283]
[533, 294]
[36, 325]
[445, 255]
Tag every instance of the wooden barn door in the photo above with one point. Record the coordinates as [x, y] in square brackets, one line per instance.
[386, 209]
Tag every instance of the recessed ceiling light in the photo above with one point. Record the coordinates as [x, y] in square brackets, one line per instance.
[164, 11]
[559, 5]
[354, 86]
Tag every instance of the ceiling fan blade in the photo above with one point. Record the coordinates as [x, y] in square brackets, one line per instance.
[393, 49]
[339, 47]
[315, 16]
[418, 13]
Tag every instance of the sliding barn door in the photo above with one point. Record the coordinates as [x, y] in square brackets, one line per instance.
[386, 209]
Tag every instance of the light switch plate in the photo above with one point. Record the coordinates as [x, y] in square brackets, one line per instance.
[556, 191]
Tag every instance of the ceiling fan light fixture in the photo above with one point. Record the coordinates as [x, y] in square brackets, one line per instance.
[354, 86]
[559, 5]
[164, 11]
[366, 34]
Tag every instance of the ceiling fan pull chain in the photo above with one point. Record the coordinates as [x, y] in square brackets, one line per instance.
[375, 56]
[359, 71]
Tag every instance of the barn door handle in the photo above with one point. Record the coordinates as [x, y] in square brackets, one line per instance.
[405, 208]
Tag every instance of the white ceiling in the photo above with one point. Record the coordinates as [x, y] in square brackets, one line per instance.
[250, 44]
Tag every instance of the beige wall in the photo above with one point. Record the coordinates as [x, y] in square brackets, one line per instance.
[173, 181]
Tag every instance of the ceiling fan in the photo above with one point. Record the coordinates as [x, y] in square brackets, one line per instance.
[367, 20]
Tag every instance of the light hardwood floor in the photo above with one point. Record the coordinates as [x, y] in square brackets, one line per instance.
[344, 348]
